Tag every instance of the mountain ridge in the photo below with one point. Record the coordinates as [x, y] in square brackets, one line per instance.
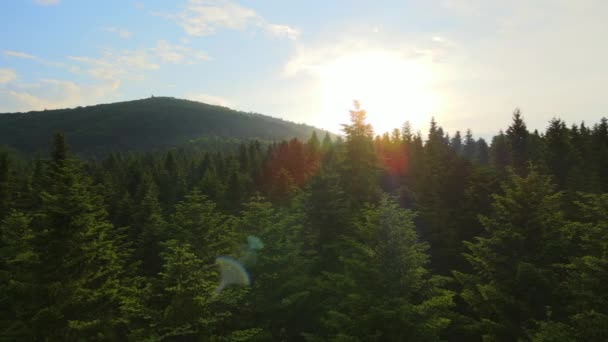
[141, 125]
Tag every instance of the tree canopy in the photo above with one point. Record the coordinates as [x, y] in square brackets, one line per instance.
[360, 237]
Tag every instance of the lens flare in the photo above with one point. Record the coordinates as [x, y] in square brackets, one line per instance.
[254, 243]
[231, 273]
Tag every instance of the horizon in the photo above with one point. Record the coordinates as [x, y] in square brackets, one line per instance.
[469, 64]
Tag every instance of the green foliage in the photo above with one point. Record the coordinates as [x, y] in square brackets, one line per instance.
[281, 283]
[17, 277]
[383, 290]
[585, 316]
[5, 184]
[147, 227]
[126, 247]
[359, 168]
[518, 139]
[78, 283]
[513, 280]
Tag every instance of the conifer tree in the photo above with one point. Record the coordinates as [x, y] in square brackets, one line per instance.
[517, 136]
[456, 143]
[79, 287]
[384, 291]
[148, 228]
[512, 285]
[359, 167]
[559, 156]
[436, 222]
[187, 306]
[600, 147]
[281, 285]
[500, 155]
[5, 185]
[469, 150]
[17, 277]
[314, 145]
[482, 152]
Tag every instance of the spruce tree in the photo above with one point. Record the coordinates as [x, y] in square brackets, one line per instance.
[281, 284]
[482, 152]
[79, 285]
[456, 143]
[147, 228]
[583, 306]
[512, 285]
[17, 277]
[500, 155]
[560, 155]
[469, 149]
[384, 291]
[359, 167]
[5, 185]
[184, 303]
[517, 136]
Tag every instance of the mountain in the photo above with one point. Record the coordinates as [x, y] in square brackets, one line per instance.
[142, 125]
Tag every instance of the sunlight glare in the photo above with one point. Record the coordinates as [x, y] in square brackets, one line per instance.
[392, 89]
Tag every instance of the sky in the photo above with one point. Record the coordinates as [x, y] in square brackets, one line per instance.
[468, 63]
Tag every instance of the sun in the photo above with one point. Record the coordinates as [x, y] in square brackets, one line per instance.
[390, 88]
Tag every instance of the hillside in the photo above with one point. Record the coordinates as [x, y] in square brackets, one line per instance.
[141, 125]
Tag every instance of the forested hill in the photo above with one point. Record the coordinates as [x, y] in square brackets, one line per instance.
[141, 125]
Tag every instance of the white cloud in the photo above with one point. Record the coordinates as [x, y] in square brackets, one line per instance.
[136, 59]
[209, 99]
[54, 94]
[114, 67]
[97, 68]
[107, 71]
[46, 2]
[205, 17]
[18, 54]
[7, 75]
[177, 54]
[283, 31]
[23, 55]
[122, 33]
[309, 59]
[131, 64]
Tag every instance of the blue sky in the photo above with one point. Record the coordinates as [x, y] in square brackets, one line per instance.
[469, 63]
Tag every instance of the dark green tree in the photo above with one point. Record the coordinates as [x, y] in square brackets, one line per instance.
[384, 291]
[79, 286]
[500, 152]
[456, 143]
[469, 150]
[6, 185]
[585, 299]
[517, 137]
[281, 286]
[184, 303]
[17, 277]
[148, 228]
[512, 285]
[359, 166]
